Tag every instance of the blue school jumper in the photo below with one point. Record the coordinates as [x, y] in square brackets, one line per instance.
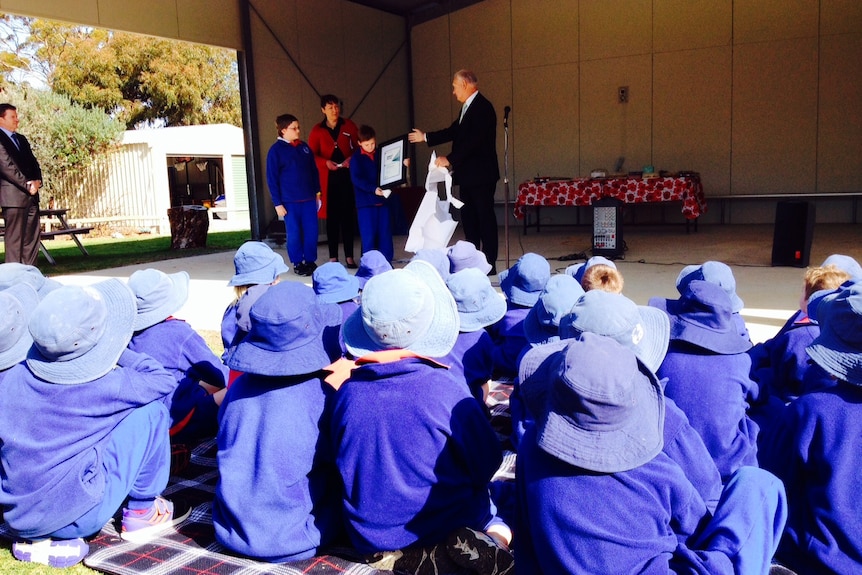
[294, 181]
[714, 391]
[54, 440]
[372, 211]
[415, 452]
[509, 340]
[649, 519]
[236, 323]
[817, 452]
[471, 361]
[782, 368]
[277, 498]
[184, 353]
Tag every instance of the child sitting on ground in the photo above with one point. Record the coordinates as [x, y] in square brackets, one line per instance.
[415, 450]
[372, 203]
[181, 350]
[780, 365]
[707, 365]
[816, 448]
[371, 264]
[84, 429]
[272, 432]
[522, 284]
[598, 272]
[471, 359]
[257, 267]
[16, 304]
[598, 434]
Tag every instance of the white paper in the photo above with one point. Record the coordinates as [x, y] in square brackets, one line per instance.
[433, 225]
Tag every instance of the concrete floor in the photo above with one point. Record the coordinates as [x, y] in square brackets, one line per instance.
[654, 258]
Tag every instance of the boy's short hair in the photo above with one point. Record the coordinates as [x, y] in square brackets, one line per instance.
[5, 107]
[366, 133]
[283, 121]
[602, 277]
[823, 278]
[329, 99]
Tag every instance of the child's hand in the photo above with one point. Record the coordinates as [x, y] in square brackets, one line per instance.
[378, 192]
[332, 166]
[280, 211]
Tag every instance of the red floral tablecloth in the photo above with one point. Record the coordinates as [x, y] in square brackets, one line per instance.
[631, 190]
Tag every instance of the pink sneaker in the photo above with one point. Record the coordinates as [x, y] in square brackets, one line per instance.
[145, 525]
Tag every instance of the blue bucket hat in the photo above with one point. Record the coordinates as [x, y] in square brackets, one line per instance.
[464, 255]
[256, 263]
[524, 281]
[158, 295]
[79, 333]
[408, 308]
[288, 333]
[437, 258]
[703, 317]
[597, 406]
[577, 270]
[714, 272]
[16, 304]
[644, 330]
[479, 305]
[371, 263]
[333, 284]
[13, 273]
[838, 348]
[846, 264]
[542, 323]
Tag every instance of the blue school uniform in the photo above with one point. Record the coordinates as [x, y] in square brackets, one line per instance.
[185, 354]
[781, 367]
[471, 361]
[277, 498]
[415, 452]
[54, 443]
[816, 452]
[236, 322]
[294, 181]
[649, 519]
[714, 392]
[509, 340]
[372, 211]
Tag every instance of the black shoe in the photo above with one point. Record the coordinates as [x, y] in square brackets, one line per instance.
[352, 265]
[300, 269]
[493, 271]
[310, 267]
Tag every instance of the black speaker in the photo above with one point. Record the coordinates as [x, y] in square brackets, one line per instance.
[608, 228]
[794, 230]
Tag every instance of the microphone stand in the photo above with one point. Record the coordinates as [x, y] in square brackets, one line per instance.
[506, 111]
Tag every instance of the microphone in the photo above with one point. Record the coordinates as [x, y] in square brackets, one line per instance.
[506, 111]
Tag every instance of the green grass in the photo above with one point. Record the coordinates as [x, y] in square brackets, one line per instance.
[111, 253]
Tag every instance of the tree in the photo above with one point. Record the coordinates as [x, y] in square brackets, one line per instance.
[142, 81]
[66, 138]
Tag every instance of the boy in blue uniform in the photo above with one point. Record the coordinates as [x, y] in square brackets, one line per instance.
[200, 374]
[372, 205]
[479, 305]
[817, 448]
[84, 429]
[707, 369]
[272, 432]
[597, 494]
[294, 185]
[414, 448]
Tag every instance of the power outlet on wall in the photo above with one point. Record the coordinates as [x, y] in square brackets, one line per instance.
[623, 94]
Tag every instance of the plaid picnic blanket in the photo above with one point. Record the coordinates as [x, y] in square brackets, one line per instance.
[192, 548]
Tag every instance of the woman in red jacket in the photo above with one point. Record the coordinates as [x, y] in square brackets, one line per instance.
[333, 141]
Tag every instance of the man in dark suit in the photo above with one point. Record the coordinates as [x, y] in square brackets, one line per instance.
[20, 180]
[473, 161]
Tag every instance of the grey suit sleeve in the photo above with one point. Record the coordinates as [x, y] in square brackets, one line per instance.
[9, 170]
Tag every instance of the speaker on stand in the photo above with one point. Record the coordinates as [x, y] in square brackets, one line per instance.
[794, 232]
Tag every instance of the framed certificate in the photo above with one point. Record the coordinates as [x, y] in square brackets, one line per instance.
[391, 155]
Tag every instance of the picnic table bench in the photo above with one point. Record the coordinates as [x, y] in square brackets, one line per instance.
[64, 230]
